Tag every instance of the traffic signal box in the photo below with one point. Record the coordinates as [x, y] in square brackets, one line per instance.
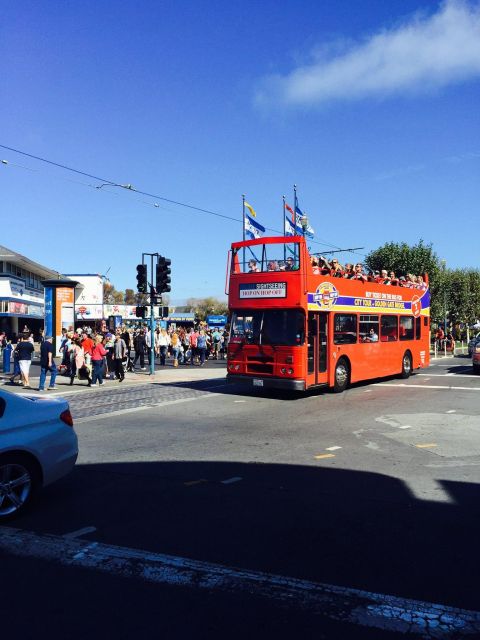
[163, 271]
[141, 312]
[142, 281]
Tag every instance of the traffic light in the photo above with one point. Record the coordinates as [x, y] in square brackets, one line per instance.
[163, 271]
[142, 278]
[140, 312]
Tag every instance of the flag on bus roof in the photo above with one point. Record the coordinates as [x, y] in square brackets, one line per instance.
[308, 231]
[252, 228]
[251, 209]
[291, 229]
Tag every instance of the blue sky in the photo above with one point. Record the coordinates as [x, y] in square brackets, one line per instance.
[370, 107]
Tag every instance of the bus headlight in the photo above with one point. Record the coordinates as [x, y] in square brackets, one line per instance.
[283, 370]
[237, 367]
[290, 371]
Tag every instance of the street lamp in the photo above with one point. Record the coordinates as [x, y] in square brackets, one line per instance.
[304, 223]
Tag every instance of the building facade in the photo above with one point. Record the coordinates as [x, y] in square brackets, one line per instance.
[22, 302]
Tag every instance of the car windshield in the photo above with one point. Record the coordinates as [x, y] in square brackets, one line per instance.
[272, 326]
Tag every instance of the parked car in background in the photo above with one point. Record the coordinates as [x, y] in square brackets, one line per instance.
[38, 445]
[472, 344]
[476, 358]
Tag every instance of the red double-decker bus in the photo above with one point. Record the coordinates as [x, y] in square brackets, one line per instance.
[293, 329]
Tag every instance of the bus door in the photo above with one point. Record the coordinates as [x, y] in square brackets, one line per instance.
[317, 347]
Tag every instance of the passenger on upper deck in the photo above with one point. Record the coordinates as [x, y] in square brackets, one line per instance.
[337, 269]
[393, 278]
[349, 271]
[315, 265]
[253, 266]
[272, 265]
[358, 273]
[291, 266]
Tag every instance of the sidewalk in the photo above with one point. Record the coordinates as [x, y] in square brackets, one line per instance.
[168, 374]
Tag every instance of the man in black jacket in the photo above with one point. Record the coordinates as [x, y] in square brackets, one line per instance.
[139, 346]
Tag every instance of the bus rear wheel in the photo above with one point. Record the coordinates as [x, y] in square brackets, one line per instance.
[406, 365]
[342, 376]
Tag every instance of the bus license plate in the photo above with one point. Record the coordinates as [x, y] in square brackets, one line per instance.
[257, 382]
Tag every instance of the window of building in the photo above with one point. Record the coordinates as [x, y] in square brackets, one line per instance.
[345, 328]
[406, 328]
[389, 328]
[368, 322]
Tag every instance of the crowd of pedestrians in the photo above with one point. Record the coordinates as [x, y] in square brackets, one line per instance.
[91, 356]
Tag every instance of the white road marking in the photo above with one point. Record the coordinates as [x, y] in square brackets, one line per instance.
[79, 532]
[447, 375]
[153, 405]
[354, 606]
[452, 411]
[367, 391]
[405, 426]
[232, 480]
[426, 386]
[238, 401]
[332, 448]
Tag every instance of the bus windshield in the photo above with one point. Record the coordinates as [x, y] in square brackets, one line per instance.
[272, 326]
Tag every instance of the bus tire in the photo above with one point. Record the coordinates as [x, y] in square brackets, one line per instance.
[407, 365]
[342, 376]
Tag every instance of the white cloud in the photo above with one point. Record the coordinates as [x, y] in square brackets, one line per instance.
[421, 54]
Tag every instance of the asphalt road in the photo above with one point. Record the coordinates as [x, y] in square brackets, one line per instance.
[376, 489]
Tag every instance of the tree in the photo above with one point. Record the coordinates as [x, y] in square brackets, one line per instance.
[403, 259]
[130, 296]
[454, 294]
[202, 307]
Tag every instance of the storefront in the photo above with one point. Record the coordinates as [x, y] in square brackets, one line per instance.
[22, 305]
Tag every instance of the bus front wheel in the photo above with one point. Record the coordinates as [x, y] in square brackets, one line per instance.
[406, 365]
[342, 375]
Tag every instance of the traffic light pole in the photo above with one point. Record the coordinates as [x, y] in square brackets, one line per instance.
[152, 317]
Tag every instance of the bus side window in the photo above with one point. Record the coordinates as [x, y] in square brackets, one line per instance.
[345, 328]
[406, 328]
[368, 322]
[389, 329]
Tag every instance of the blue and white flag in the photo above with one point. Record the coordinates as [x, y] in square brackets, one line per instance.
[308, 231]
[253, 229]
[291, 229]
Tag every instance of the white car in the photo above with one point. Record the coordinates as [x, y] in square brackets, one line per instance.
[38, 445]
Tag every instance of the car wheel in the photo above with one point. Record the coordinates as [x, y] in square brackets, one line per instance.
[406, 365]
[476, 369]
[18, 478]
[342, 376]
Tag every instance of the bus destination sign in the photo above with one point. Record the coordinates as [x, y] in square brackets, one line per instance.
[263, 290]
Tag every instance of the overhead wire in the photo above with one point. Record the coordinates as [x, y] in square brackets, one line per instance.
[129, 187]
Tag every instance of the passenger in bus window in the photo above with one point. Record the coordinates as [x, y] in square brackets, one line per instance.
[372, 336]
[291, 266]
[272, 265]
[253, 266]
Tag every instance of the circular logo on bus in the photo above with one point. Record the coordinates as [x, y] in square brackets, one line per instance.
[326, 295]
[416, 306]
